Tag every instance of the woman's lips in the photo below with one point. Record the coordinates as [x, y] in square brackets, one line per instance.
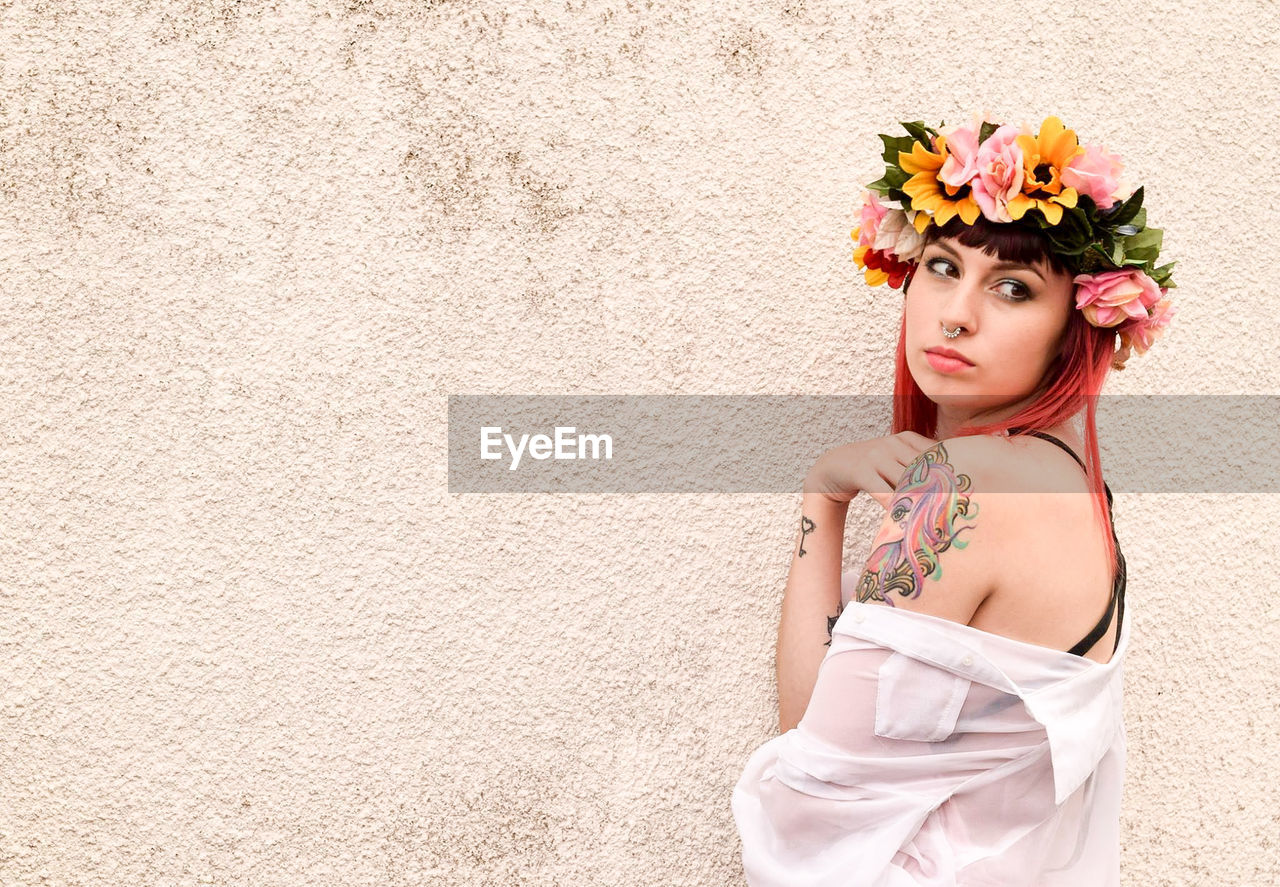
[946, 364]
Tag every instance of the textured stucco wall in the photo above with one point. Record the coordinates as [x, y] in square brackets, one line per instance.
[248, 249]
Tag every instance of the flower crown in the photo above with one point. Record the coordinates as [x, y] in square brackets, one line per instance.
[1047, 182]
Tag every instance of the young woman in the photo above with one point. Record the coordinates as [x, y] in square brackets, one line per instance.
[951, 713]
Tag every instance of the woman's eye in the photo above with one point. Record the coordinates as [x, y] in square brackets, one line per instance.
[932, 262]
[1019, 293]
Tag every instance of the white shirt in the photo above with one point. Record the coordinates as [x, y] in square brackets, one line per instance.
[935, 753]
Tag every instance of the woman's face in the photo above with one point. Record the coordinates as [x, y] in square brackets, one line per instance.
[1014, 320]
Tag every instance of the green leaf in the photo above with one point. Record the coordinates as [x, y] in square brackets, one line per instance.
[1065, 241]
[1119, 215]
[893, 145]
[1162, 276]
[918, 132]
[1085, 205]
[1103, 241]
[896, 177]
[986, 130]
[1146, 241]
[1076, 220]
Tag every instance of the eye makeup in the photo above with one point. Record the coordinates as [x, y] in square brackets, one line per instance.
[1003, 265]
[1018, 284]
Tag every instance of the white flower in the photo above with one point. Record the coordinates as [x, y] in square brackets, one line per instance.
[897, 236]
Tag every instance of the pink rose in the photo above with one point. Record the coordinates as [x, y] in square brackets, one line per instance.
[962, 155]
[1112, 297]
[1143, 332]
[1096, 173]
[873, 211]
[1000, 175]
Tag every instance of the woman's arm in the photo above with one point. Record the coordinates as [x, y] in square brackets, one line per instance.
[811, 600]
[810, 604]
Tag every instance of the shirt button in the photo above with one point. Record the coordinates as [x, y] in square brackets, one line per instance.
[859, 616]
[968, 660]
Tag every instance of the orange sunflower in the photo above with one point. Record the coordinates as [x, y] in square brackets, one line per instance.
[1043, 158]
[931, 194]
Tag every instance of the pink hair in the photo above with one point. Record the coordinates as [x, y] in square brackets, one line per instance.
[1072, 383]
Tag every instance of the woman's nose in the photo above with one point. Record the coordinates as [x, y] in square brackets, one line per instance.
[960, 308]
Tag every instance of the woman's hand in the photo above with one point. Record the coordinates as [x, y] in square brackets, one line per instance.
[873, 466]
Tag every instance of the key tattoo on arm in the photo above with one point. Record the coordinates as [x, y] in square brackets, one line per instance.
[806, 527]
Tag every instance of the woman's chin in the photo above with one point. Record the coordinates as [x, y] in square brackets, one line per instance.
[932, 382]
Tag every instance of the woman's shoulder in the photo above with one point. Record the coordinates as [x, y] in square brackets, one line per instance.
[1029, 488]
[1048, 565]
[958, 511]
[1016, 464]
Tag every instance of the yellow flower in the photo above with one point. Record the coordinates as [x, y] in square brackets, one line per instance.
[930, 194]
[874, 277]
[1046, 155]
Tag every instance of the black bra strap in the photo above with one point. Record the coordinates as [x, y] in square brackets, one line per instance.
[1053, 440]
[1117, 594]
[1117, 587]
[1072, 453]
[1100, 629]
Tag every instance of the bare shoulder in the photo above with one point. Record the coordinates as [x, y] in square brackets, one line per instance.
[1007, 474]
[952, 519]
[1030, 484]
[1053, 579]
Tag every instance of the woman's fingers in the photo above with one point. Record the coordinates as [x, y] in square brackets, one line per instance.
[906, 447]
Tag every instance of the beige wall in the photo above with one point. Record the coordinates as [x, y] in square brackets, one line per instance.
[248, 637]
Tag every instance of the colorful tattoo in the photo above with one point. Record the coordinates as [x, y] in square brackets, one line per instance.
[928, 502]
[806, 527]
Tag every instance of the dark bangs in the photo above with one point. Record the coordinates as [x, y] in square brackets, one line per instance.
[1008, 242]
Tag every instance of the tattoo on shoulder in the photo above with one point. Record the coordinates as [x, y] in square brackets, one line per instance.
[831, 623]
[928, 505]
[806, 527]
